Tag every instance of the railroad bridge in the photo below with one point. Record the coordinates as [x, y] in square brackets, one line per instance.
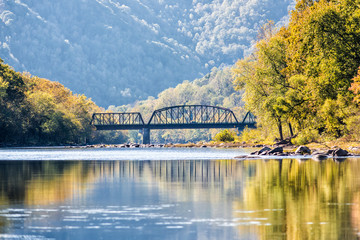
[175, 117]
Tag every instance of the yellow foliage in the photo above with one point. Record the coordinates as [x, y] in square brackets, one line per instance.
[3, 86]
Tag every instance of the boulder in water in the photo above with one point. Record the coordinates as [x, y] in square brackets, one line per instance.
[303, 150]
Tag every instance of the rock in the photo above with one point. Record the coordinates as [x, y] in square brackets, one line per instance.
[265, 153]
[330, 152]
[303, 150]
[319, 152]
[282, 142]
[203, 146]
[259, 145]
[244, 157]
[264, 149]
[286, 141]
[340, 153]
[276, 150]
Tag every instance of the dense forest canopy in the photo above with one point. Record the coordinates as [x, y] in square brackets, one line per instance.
[305, 76]
[37, 111]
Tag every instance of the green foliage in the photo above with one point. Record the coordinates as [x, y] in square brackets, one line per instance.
[225, 136]
[3, 86]
[301, 75]
[109, 137]
[306, 136]
[214, 88]
[353, 127]
[258, 135]
[38, 111]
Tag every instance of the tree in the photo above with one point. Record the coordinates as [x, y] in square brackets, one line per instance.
[266, 84]
[301, 74]
[323, 51]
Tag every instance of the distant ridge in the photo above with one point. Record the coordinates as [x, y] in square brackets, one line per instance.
[117, 52]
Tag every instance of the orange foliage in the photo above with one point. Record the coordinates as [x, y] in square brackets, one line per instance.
[355, 87]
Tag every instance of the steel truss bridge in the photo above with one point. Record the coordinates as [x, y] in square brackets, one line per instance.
[175, 117]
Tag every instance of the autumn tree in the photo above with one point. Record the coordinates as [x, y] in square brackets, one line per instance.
[302, 73]
[324, 52]
[38, 111]
[267, 90]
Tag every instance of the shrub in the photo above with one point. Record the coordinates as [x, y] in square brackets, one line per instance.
[306, 136]
[225, 136]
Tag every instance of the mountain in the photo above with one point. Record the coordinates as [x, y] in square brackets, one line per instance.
[118, 51]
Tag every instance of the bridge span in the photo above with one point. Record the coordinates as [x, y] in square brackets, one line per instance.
[175, 117]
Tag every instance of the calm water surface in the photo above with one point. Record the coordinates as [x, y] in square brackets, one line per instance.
[175, 194]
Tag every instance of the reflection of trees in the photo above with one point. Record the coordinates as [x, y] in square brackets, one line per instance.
[290, 200]
[302, 200]
[40, 182]
[46, 182]
[188, 180]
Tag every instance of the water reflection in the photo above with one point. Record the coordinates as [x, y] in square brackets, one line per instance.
[218, 199]
[41, 182]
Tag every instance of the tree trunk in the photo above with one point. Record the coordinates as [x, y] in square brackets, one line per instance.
[291, 131]
[280, 130]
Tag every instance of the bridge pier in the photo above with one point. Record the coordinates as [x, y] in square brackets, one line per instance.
[146, 135]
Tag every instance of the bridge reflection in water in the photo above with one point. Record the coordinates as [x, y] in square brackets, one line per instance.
[273, 199]
[175, 117]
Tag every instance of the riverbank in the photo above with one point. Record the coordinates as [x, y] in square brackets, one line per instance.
[282, 149]
[351, 147]
[288, 149]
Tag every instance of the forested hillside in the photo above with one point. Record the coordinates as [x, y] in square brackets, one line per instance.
[119, 51]
[303, 79]
[215, 88]
[37, 111]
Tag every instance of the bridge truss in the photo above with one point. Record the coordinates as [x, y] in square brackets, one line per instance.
[175, 117]
[117, 121]
[192, 116]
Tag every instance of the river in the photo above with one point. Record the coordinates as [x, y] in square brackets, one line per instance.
[175, 194]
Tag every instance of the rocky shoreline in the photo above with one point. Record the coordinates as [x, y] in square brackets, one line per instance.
[301, 151]
[126, 145]
[285, 150]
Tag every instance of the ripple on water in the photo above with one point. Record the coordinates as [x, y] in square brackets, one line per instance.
[27, 237]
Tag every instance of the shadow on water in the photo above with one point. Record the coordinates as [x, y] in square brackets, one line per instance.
[272, 199]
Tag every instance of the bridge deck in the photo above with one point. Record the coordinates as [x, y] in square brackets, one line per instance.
[175, 126]
[176, 117]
